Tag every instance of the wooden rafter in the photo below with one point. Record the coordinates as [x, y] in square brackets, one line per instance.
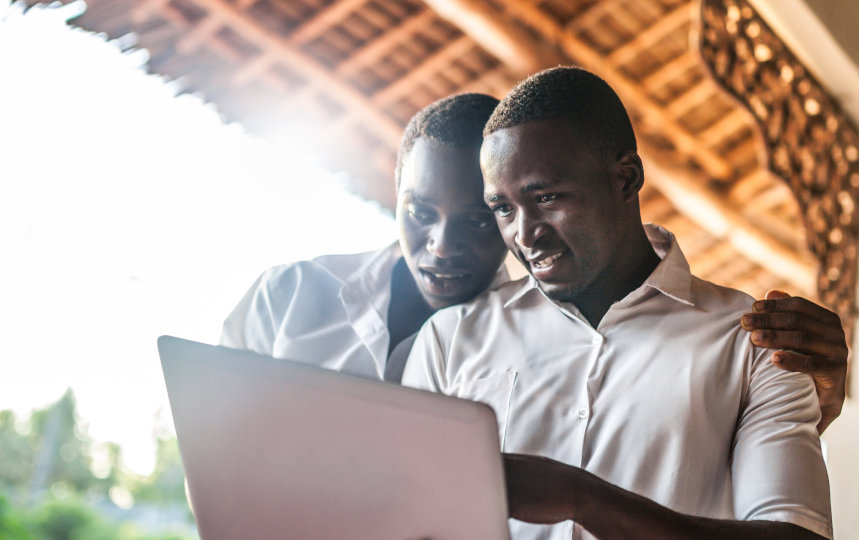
[655, 32]
[670, 71]
[736, 119]
[221, 12]
[495, 33]
[442, 57]
[323, 20]
[691, 98]
[374, 50]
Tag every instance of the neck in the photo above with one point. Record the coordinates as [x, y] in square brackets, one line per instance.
[408, 310]
[637, 267]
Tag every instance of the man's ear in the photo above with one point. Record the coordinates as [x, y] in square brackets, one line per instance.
[632, 174]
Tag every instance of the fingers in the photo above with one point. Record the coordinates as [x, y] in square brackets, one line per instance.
[791, 321]
[822, 342]
[803, 363]
[795, 304]
[775, 293]
[828, 414]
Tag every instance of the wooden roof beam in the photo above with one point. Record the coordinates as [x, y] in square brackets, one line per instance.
[728, 124]
[652, 35]
[199, 34]
[691, 98]
[434, 63]
[377, 48]
[325, 19]
[590, 17]
[496, 33]
[670, 71]
[147, 8]
[327, 82]
[253, 69]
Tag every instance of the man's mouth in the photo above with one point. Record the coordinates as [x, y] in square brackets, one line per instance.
[443, 282]
[546, 262]
[544, 266]
[440, 275]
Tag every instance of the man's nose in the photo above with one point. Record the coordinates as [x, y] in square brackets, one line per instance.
[528, 230]
[446, 240]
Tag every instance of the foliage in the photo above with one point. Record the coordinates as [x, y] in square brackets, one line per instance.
[11, 527]
[53, 488]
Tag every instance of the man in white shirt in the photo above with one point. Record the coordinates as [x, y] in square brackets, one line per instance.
[359, 313]
[656, 414]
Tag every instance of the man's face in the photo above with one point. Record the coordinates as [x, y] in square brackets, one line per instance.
[560, 208]
[449, 238]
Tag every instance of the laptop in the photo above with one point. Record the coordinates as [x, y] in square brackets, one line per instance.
[276, 449]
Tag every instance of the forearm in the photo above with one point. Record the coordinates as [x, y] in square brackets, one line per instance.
[609, 512]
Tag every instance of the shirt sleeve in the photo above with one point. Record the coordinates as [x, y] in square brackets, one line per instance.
[778, 471]
[254, 322]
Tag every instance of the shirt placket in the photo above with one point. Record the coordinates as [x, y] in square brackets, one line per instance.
[368, 324]
[587, 390]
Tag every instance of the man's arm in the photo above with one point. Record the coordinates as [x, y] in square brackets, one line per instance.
[813, 341]
[541, 490]
[778, 477]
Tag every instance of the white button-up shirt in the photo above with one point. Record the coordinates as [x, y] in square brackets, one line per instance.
[666, 397]
[331, 311]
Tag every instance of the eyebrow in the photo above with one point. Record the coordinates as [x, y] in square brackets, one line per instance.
[429, 201]
[417, 197]
[530, 187]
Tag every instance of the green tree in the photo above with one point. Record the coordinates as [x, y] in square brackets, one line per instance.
[17, 455]
[11, 526]
[166, 484]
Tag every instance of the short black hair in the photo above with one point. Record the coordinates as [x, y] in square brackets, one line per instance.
[573, 94]
[455, 121]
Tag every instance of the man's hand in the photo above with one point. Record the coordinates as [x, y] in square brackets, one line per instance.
[539, 489]
[812, 340]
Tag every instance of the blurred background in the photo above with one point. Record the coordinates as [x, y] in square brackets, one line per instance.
[157, 155]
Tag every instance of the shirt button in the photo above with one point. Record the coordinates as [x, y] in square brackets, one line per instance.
[583, 413]
[597, 339]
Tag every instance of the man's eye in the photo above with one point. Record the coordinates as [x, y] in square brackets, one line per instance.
[419, 214]
[502, 210]
[546, 197]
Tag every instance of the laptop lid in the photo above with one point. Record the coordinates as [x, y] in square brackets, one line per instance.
[279, 449]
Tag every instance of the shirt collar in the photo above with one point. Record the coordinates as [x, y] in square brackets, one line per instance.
[374, 273]
[671, 276]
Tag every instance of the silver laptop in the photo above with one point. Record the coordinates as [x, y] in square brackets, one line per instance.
[275, 449]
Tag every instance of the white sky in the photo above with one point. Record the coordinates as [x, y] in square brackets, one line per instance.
[126, 213]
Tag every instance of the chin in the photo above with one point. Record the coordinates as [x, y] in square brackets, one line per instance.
[559, 293]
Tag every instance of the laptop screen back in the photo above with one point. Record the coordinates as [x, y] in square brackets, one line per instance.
[278, 449]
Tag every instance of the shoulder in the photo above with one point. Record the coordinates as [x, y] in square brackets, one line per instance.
[482, 309]
[335, 267]
[717, 298]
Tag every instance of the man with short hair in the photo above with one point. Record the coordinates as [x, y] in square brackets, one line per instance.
[657, 416]
[359, 313]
